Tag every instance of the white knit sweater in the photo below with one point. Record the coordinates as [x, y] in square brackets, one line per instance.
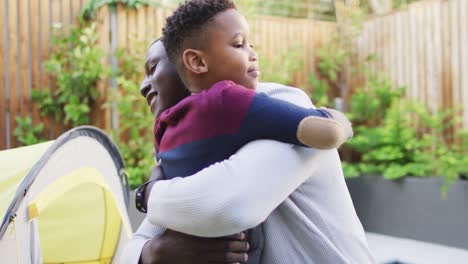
[299, 193]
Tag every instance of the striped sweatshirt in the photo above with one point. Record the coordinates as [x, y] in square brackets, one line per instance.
[210, 126]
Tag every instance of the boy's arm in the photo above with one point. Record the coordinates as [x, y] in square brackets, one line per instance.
[238, 193]
[264, 117]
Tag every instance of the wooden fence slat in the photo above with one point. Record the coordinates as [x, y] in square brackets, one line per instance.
[391, 60]
[464, 58]
[414, 65]
[131, 25]
[150, 28]
[405, 50]
[371, 44]
[400, 65]
[65, 17]
[438, 49]
[35, 53]
[57, 20]
[421, 63]
[75, 10]
[24, 52]
[122, 34]
[44, 42]
[456, 74]
[141, 24]
[160, 22]
[102, 115]
[429, 53]
[363, 51]
[3, 103]
[446, 66]
[379, 31]
[13, 48]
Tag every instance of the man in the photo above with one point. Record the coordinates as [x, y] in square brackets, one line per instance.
[298, 193]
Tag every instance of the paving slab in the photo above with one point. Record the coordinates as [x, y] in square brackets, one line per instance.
[388, 249]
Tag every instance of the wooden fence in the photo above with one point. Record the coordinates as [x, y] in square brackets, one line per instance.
[424, 47]
[25, 34]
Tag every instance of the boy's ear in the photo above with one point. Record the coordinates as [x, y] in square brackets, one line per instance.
[194, 62]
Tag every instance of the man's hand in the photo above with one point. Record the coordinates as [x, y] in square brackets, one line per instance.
[177, 248]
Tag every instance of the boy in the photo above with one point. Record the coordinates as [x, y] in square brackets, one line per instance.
[208, 43]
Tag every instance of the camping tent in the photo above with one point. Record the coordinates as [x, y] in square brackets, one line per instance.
[64, 201]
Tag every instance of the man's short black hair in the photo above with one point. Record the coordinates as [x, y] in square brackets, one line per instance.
[186, 26]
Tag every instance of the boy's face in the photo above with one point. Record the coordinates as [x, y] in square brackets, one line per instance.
[162, 86]
[229, 54]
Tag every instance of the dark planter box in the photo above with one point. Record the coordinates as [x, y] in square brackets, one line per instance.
[413, 208]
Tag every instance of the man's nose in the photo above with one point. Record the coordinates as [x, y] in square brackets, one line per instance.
[145, 87]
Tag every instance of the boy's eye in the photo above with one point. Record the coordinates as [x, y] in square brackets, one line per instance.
[240, 45]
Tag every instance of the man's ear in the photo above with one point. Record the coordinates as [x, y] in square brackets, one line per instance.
[194, 62]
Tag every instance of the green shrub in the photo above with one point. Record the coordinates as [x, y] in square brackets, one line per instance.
[26, 133]
[76, 66]
[394, 136]
[134, 136]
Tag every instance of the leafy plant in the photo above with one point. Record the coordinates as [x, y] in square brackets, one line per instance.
[76, 67]
[76, 64]
[89, 11]
[26, 133]
[134, 136]
[394, 137]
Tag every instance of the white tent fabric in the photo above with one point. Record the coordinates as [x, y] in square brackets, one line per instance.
[77, 186]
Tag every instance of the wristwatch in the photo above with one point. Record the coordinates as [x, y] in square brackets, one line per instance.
[139, 196]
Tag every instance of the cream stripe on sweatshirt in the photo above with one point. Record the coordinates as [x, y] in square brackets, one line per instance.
[299, 194]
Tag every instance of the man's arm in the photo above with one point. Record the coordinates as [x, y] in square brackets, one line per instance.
[236, 194]
[154, 244]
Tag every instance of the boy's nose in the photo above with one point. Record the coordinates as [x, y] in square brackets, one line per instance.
[252, 53]
[253, 56]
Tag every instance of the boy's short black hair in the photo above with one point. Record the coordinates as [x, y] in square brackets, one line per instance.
[186, 25]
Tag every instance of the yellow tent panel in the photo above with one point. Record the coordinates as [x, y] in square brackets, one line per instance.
[64, 201]
[14, 165]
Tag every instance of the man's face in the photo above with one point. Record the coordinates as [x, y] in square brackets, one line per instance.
[229, 54]
[162, 86]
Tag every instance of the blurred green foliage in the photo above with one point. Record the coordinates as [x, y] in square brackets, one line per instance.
[26, 133]
[76, 67]
[394, 136]
[282, 67]
[134, 135]
[89, 11]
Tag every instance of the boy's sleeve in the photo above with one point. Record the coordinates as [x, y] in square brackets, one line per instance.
[259, 116]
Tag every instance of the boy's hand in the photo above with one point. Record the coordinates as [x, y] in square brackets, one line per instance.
[177, 248]
[342, 119]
